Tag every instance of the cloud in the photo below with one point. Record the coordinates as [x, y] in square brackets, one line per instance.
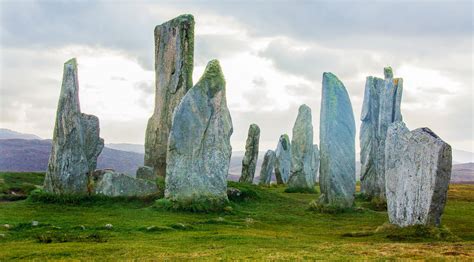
[273, 56]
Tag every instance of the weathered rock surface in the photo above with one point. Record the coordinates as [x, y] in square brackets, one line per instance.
[146, 172]
[337, 141]
[249, 162]
[117, 184]
[283, 160]
[417, 172]
[174, 50]
[267, 167]
[302, 156]
[76, 143]
[380, 108]
[316, 159]
[199, 147]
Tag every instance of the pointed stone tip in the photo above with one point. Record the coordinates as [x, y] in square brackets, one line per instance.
[388, 72]
[254, 126]
[285, 137]
[186, 18]
[329, 75]
[71, 62]
[213, 77]
[213, 69]
[303, 108]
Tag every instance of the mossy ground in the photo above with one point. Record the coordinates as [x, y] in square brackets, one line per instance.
[269, 225]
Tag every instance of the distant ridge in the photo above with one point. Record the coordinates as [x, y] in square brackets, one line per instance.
[10, 134]
[32, 154]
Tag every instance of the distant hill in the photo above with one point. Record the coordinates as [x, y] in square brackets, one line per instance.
[32, 155]
[10, 134]
[463, 173]
[127, 147]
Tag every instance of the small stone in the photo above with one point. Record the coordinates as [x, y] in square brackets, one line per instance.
[417, 172]
[7, 226]
[337, 140]
[2, 235]
[268, 165]
[199, 148]
[233, 193]
[35, 223]
[283, 160]
[108, 226]
[146, 172]
[249, 162]
[302, 155]
[117, 184]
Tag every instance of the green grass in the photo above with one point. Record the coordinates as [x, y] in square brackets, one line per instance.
[267, 224]
[15, 186]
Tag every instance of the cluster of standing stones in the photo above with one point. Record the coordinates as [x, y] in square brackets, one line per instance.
[188, 142]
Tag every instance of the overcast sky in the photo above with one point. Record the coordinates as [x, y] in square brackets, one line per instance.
[273, 55]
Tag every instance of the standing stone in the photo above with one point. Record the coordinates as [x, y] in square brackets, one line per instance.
[267, 168]
[199, 147]
[302, 155]
[174, 50]
[249, 162]
[316, 160]
[417, 172]
[337, 140]
[283, 160]
[76, 143]
[380, 108]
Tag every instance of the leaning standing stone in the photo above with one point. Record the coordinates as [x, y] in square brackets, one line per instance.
[381, 107]
[302, 155]
[418, 170]
[199, 147]
[76, 143]
[267, 168]
[337, 141]
[283, 160]
[174, 50]
[249, 162]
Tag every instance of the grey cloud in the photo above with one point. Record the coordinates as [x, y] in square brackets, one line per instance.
[209, 47]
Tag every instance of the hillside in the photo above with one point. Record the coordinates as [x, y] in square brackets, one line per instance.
[20, 155]
[10, 134]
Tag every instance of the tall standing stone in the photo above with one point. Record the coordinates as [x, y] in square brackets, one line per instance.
[267, 168]
[199, 147]
[316, 160]
[302, 155]
[417, 169]
[174, 50]
[380, 108]
[283, 160]
[76, 143]
[249, 162]
[337, 141]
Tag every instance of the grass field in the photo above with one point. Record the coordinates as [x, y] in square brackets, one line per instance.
[273, 225]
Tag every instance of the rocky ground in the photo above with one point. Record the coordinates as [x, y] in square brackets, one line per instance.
[269, 225]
